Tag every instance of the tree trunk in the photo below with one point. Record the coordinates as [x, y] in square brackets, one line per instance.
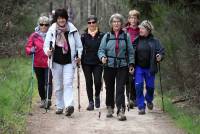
[81, 10]
[89, 7]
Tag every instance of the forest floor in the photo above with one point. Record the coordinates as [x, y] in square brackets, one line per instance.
[88, 122]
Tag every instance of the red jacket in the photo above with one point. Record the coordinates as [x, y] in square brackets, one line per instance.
[40, 59]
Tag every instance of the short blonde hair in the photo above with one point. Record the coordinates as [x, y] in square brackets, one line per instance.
[117, 16]
[43, 20]
[134, 13]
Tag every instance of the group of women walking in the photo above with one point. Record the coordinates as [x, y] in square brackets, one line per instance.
[128, 56]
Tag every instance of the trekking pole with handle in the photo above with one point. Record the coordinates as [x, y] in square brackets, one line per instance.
[163, 108]
[78, 83]
[104, 64]
[129, 91]
[101, 91]
[32, 79]
[48, 80]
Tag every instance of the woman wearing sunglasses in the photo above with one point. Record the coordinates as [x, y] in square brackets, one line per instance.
[92, 69]
[35, 46]
[65, 54]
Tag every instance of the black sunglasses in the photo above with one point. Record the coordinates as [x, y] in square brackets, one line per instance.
[44, 25]
[92, 22]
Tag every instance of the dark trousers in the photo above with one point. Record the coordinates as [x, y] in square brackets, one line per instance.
[130, 87]
[42, 80]
[120, 75]
[92, 72]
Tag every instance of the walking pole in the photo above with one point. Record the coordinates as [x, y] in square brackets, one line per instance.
[78, 83]
[129, 90]
[32, 79]
[101, 91]
[48, 81]
[163, 108]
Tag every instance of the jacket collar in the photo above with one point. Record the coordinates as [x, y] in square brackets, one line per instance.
[86, 31]
[120, 31]
[71, 28]
[150, 36]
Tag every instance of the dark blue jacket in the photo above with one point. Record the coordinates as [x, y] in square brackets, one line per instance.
[156, 48]
[90, 48]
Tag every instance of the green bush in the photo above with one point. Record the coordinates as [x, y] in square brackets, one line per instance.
[178, 30]
[15, 78]
[188, 121]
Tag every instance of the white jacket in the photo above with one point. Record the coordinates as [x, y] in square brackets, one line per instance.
[74, 42]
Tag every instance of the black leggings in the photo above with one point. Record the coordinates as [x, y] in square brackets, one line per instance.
[90, 72]
[42, 80]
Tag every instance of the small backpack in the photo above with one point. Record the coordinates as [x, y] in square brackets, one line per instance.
[125, 39]
[126, 42]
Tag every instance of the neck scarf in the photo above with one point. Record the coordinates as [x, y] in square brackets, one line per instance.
[37, 30]
[60, 38]
[43, 35]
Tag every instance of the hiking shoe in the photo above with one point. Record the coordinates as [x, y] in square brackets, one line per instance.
[48, 104]
[69, 110]
[141, 111]
[150, 106]
[97, 102]
[110, 112]
[42, 104]
[59, 111]
[90, 106]
[121, 116]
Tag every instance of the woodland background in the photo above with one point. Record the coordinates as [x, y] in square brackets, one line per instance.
[176, 24]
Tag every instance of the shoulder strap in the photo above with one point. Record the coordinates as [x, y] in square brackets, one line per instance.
[125, 38]
[126, 42]
[107, 37]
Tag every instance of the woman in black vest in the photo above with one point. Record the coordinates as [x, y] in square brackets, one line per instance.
[91, 64]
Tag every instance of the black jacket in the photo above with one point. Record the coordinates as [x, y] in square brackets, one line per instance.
[90, 48]
[156, 48]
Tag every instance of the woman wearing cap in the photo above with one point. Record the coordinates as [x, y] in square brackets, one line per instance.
[133, 30]
[116, 52]
[148, 53]
[35, 45]
[66, 42]
[91, 64]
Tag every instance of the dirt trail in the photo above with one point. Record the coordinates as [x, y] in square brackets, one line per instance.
[87, 122]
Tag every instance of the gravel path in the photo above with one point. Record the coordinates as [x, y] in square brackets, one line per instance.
[87, 122]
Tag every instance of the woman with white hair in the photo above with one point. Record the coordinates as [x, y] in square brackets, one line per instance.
[148, 53]
[117, 55]
[35, 45]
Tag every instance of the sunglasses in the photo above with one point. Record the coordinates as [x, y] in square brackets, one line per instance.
[44, 25]
[92, 22]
